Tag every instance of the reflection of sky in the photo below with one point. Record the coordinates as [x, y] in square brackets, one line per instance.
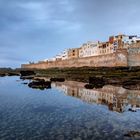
[29, 113]
[32, 30]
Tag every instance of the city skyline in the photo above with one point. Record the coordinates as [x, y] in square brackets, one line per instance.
[34, 30]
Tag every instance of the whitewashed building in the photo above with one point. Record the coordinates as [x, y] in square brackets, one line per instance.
[52, 59]
[89, 49]
[64, 54]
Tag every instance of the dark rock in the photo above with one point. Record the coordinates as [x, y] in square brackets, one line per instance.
[12, 74]
[131, 85]
[40, 80]
[40, 84]
[25, 83]
[132, 134]
[27, 73]
[95, 82]
[132, 110]
[57, 79]
[91, 86]
[2, 75]
[27, 77]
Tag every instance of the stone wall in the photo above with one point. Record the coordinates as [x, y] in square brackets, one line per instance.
[118, 58]
[134, 56]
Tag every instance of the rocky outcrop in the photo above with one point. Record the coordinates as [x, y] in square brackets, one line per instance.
[2, 75]
[12, 74]
[95, 82]
[41, 84]
[57, 79]
[131, 85]
[27, 73]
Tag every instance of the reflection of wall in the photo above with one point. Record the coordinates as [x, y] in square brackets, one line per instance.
[116, 98]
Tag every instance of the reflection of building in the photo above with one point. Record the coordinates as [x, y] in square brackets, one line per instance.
[116, 98]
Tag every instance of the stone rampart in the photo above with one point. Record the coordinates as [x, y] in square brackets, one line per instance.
[118, 58]
[134, 56]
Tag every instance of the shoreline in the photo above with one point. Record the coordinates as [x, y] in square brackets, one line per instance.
[127, 77]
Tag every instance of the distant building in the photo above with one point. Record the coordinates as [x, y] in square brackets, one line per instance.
[89, 49]
[115, 42]
[126, 50]
[64, 54]
[73, 53]
[52, 59]
[123, 41]
[58, 57]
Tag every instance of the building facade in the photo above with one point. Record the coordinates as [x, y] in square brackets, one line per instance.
[73, 53]
[120, 50]
[89, 49]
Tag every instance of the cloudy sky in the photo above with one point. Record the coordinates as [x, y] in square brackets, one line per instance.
[32, 30]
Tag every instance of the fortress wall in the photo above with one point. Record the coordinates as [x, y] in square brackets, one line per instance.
[118, 58]
[134, 56]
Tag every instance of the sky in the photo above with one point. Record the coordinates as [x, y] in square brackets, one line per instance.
[33, 30]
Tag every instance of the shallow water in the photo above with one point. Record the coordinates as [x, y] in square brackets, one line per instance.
[67, 111]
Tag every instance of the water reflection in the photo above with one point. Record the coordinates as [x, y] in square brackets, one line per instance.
[116, 98]
[32, 114]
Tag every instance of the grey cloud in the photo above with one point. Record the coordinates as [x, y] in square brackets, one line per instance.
[37, 29]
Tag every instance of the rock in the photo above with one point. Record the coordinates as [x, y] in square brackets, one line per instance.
[132, 134]
[42, 84]
[95, 82]
[131, 85]
[27, 77]
[27, 73]
[57, 79]
[132, 110]
[2, 75]
[12, 74]
[25, 83]
[89, 86]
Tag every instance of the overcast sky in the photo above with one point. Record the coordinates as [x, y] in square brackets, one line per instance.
[32, 30]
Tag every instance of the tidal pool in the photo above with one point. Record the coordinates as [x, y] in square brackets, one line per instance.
[67, 111]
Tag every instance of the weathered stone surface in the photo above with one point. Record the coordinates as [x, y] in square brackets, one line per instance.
[115, 59]
[134, 56]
